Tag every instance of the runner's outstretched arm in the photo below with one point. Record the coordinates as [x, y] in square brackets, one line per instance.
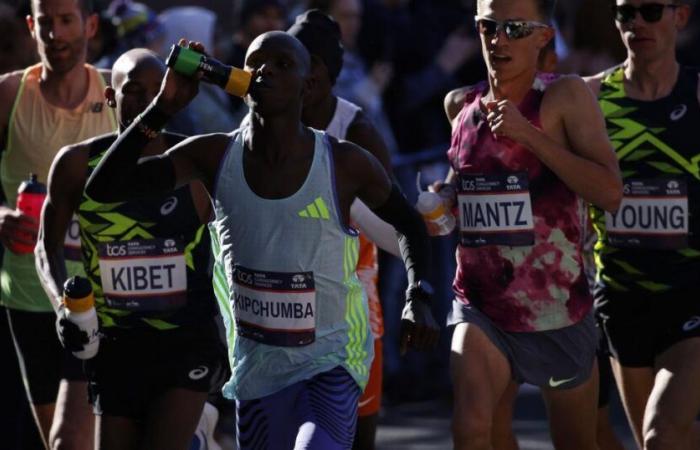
[384, 198]
[65, 186]
[418, 327]
[122, 174]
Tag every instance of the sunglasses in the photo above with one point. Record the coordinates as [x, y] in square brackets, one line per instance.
[650, 12]
[514, 29]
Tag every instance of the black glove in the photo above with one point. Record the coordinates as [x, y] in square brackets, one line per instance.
[71, 336]
[419, 329]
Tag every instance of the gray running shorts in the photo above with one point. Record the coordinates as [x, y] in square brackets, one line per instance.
[553, 359]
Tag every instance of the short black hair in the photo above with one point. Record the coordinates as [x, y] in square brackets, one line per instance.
[87, 7]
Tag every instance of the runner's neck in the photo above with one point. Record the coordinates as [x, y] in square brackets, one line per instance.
[514, 89]
[650, 80]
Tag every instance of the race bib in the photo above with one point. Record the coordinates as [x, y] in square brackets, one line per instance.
[71, 244]
[495, 210]
[653, 214]
[144, 275]
[275, 308]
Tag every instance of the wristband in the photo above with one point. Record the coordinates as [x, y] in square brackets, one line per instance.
[151, 121]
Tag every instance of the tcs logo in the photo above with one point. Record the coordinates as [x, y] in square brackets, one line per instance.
[116, 250]
[243, 277]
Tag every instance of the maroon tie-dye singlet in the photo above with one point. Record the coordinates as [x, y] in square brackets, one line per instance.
[519, 258]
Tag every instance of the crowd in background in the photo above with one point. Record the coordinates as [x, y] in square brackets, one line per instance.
[401, 58]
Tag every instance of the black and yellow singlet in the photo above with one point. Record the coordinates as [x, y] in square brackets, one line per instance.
[148, 259]
[651, 245]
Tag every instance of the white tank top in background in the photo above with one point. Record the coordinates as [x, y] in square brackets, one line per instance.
[345, 113]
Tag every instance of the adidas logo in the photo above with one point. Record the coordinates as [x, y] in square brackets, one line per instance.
[315, 210]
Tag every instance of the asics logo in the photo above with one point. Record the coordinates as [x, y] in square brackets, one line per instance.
[168, 206]
[198, 373]
[556, 383]
[679, 112]
[692, 324]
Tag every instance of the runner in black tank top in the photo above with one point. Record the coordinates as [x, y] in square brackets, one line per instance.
[648, 252]
[161, 352]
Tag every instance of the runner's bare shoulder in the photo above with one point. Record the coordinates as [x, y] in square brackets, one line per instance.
[568, 93]
[594, 81]
[9, 85]
[74, 158]
[454, 101]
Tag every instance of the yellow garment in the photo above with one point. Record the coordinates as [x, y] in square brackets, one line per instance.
[37, 130]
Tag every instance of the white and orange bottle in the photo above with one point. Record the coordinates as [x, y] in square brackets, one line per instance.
[439, 220]
[80, 309]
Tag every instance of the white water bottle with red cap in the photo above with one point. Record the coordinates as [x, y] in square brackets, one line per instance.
[438, 218]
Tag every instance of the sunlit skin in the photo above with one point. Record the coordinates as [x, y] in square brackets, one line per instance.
[651, 51]
[61, 31]
[512, 63]
[651, 41]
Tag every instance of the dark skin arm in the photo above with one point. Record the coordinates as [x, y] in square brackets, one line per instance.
[196, 158]
[359, 174]
[65, 187]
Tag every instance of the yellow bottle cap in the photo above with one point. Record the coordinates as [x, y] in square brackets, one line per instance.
[238, 82]
[79, 305]
[435, 213]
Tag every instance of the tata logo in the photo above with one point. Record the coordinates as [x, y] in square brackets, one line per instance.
[512, 179]
[245, 278]
[673, 187]
[298, 278]
[116, 250]
[169, 243]
[678, 112]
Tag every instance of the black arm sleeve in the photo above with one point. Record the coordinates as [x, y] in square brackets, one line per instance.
[414, 241]
[121, 176]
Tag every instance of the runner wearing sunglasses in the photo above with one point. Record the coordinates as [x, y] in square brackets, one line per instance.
[526, 147]
[647, 265]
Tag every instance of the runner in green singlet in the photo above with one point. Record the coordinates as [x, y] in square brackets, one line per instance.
[648, 251]
[161, 352]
